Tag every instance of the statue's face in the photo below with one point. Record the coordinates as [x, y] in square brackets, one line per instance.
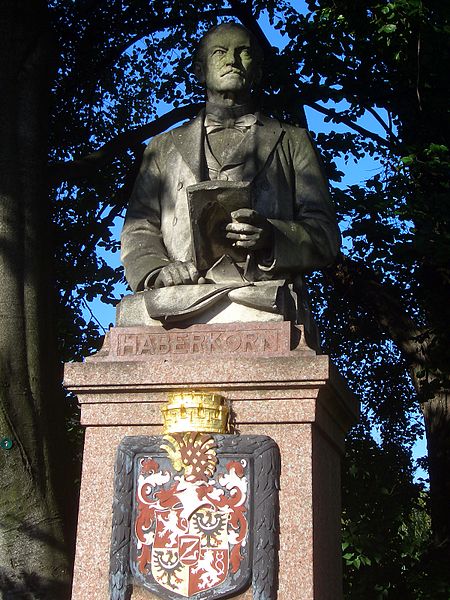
[228, 64]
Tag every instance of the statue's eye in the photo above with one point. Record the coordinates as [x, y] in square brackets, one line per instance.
[219, 51]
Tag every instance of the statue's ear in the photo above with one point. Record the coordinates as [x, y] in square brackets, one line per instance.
[199, 71]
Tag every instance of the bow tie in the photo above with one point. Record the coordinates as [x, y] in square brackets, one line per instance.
[213, 123]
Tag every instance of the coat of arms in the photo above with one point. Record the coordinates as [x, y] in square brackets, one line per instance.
[190, 527]
[187, 509]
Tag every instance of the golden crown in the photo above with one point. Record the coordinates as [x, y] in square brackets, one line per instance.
[195, 411]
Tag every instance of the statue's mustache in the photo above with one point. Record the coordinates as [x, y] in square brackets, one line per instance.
[233, 70]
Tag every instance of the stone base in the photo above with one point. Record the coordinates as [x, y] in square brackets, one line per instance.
[278, 387]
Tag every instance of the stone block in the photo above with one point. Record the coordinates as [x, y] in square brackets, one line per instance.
[278, 387]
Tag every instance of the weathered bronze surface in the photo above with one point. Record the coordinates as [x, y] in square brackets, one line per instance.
[277, 224]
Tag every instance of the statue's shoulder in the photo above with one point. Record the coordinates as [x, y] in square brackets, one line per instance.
[291, 131]
[163, 138]
[181, 128]
[163, 143]
[294, 131]
[159, 142]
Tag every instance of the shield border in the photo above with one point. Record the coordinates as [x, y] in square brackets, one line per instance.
[264, 457]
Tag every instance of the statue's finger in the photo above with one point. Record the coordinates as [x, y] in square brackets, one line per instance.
[232, 235]
[245, 243]
[183, 272]
[235, 236]
[240, 239]
[165, 279]
[177, 277]
[243, 213]
[188, 272]
[159, 282]
[242, 228]
[193, 273]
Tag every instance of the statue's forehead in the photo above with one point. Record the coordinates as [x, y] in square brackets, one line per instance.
[232, 36]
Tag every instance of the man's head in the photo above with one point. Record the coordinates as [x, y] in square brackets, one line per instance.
[228, 61]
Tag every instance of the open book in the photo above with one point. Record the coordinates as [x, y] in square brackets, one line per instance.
[210, 206]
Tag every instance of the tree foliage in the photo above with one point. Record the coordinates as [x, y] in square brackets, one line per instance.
[377, 72]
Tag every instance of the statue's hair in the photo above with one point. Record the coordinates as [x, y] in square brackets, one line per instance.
[254, 43]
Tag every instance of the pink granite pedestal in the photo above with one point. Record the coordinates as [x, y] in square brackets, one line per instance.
[293, 396]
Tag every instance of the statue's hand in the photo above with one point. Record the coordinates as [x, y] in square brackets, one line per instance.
[177, 273]
[250, 230]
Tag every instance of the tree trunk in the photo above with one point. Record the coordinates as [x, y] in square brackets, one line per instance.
[354, 281]
[33, 554]
[436, 413]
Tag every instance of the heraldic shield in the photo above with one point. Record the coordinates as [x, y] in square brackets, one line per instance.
[190, 555]
[195, 515]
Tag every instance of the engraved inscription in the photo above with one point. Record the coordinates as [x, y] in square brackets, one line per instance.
[189, 343]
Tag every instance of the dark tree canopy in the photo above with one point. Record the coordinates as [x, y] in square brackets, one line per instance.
[121, 75]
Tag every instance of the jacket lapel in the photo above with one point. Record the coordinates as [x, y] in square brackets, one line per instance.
[259, 146]
[253, 152]
[188, 140]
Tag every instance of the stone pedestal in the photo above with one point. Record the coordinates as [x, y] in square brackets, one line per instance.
[291, 395]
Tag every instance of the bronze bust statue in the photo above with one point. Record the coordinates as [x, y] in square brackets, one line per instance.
[232, 205]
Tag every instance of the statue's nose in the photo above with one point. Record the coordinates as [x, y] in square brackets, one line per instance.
[231, 57]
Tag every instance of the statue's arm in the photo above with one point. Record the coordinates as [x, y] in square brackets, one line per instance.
[143, 252]
[312, 239]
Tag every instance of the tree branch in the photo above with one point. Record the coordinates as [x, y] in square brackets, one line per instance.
[111, 55]
[154, 26]
[90, 164]
[341, 118]
[360, 284]
[119, 203]
[381, 121]
[243, 12]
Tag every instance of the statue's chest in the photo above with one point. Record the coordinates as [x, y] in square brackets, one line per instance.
[222, 147]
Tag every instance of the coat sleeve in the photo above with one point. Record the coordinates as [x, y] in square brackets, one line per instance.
[312, 239]
[143, 252]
